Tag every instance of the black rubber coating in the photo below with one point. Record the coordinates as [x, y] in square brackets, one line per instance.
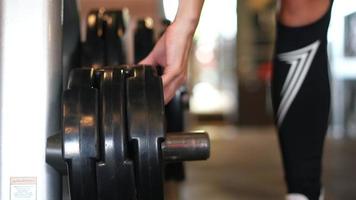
[115, 171]
[80, 138]
[145, 113]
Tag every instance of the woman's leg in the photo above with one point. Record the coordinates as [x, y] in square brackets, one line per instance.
[301, 92]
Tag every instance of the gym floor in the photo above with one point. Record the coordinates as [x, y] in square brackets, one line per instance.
[245, 164]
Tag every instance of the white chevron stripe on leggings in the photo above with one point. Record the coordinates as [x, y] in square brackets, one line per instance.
[300, 61]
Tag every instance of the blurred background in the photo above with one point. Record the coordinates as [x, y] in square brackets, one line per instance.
[228, 94]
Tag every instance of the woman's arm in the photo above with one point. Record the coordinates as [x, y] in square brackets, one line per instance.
[189, 13]
[172, 49]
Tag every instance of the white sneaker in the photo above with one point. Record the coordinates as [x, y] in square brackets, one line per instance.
[295, 196]
[322, 195]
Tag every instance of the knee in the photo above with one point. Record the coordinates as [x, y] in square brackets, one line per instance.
[302, 12]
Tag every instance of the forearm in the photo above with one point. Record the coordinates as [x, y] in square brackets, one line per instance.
[172, 49]
[188, 14]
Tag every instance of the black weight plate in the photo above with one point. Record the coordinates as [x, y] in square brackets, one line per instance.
[80, 138]
[113, 33]
[145, 113]
[81, 78]
[115, 173]
[144, 40]
[93, 49]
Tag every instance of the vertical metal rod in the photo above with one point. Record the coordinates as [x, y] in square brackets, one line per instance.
[30, 87]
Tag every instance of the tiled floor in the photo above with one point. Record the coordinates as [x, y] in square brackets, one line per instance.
[245, 165]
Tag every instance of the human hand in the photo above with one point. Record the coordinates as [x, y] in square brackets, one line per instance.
[172, 53]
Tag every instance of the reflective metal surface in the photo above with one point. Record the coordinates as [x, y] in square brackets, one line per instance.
[30, 65]
[179, 147]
